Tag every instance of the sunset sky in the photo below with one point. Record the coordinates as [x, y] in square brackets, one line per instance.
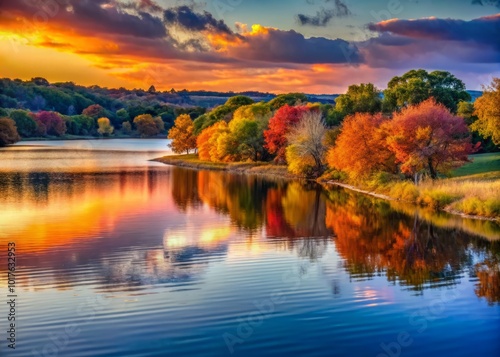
[313, 46]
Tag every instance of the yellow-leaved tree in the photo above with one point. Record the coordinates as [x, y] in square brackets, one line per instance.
[105, 127]
[487, 109]
[182, 135]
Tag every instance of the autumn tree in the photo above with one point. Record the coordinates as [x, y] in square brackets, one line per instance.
[50, 122]
[8, 132]
[360, 148]
[146, 125]
[428, 138]
[182, 135]
[487, 109]
[305, 153]
[95, 111]
[208, 142]
[25, 124]
[417, 86]
[105, 127]
[363, 98]
[279, 126]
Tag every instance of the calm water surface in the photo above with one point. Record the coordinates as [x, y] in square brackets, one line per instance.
[119, 256]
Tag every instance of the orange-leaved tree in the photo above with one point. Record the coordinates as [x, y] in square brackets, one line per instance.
[182, 135]
[360, 148]
[208, 142]
[428, 138]
[8, 132]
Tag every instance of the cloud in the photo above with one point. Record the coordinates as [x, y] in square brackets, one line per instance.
[143, 5]
[187, 19]
[265, 44]
[434, 43]
[97, 16]
[324, 16]
[484, 30]
[486, 2]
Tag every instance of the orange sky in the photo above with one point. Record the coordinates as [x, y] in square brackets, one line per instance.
[110, 43]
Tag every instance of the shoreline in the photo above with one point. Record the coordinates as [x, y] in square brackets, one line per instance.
[252, 168]
[84, 137]
[388, 198]
[266, 169]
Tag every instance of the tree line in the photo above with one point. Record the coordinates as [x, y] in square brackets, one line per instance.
[423, 123]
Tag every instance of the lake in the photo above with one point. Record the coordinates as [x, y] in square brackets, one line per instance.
[120, 256]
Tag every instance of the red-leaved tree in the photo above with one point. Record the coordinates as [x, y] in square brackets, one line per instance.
[428, 138]
[279, 126]
[52, 122]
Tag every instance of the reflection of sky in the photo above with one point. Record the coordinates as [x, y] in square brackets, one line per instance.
[177, 279]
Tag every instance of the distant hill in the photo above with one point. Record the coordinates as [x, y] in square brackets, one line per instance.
[69, 98]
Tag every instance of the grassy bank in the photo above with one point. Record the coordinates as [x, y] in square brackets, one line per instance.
[473, 190]
[257, 168]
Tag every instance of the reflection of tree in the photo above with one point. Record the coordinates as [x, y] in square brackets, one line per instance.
[488, 275]
[185, 188]
[298, 211]
[241, 197]
[375, 240]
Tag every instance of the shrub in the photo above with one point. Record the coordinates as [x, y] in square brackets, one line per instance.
[8, 132]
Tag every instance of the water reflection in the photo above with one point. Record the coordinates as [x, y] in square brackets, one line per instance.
[154, 226]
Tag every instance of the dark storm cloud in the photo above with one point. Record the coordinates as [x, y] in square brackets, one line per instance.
[186, 18]
[87, 16]
[324, 16]
[433, 42]
[485, 30]
[293, 47]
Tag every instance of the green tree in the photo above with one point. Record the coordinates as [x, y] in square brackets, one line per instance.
[417, 86]
[122, 114]
[466, 111]
[126, 127]
[246, 138]
[363, 98]
[25, 124]
[291, 99]
[223, 112]
[8, 132]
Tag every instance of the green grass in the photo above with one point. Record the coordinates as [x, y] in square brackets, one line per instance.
[483, 163]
